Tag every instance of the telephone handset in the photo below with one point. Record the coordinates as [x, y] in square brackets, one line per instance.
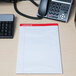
[55, 9]
[43, 7]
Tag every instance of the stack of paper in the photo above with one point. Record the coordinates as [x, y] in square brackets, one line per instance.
[38, 49]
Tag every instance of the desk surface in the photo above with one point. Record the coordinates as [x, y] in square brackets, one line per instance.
[8, 47]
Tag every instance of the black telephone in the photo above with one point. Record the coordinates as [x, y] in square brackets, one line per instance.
[52, 9]
[55, 9]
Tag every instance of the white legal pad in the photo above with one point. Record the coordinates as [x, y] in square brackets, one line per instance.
[39, 49]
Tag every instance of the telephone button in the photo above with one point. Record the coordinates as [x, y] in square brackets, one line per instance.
[65, 12]
[56, 13]
[62, 16]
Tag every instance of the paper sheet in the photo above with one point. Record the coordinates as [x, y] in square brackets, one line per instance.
[39, 50]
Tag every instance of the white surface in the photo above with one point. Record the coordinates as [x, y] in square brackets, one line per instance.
[39, 50]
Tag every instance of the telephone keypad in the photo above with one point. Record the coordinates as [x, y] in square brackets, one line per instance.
[54, 9]
[58, 11]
